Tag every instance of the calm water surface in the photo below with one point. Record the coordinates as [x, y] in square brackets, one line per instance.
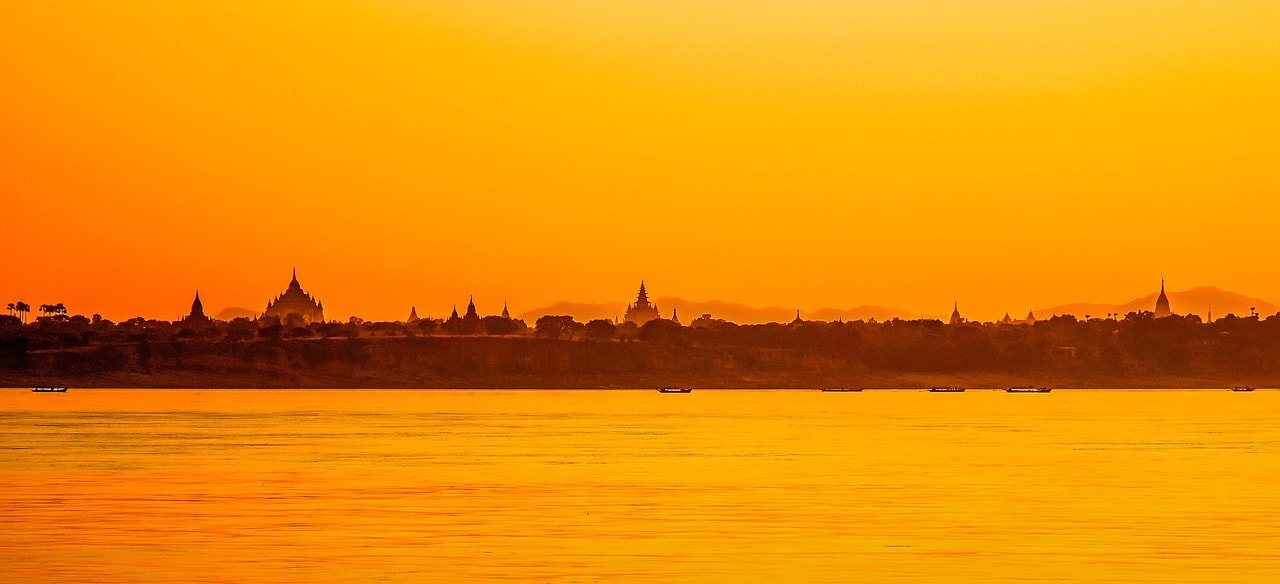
[609, 486]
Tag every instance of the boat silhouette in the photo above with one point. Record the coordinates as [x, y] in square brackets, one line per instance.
[1027, 389]
[49, 389]
[675, 390]
[946, 390]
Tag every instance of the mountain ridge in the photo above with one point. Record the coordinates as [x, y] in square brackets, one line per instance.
[1199, 300]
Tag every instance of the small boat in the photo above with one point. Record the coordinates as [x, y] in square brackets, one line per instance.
[840, 389]
[946, 390]
[675, 390]
[1027, 389]
[49, 390]
[1242, 388]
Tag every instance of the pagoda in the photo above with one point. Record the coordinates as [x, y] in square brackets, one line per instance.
[642, 310]
[1162, 303]
[472, 315]
[295, 305]
[197, 315]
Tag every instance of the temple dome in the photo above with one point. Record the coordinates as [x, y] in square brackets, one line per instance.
[295, 305]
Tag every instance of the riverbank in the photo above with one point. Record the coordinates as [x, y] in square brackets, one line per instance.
[532, 363]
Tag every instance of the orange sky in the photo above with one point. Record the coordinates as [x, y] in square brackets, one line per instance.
[1004, 153]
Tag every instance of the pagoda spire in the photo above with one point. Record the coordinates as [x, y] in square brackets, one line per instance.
[197, 307]
[1162, 303]
[642, 311]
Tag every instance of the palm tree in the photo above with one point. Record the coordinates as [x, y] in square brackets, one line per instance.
[59, 308]
[22, 308]
[11, 307]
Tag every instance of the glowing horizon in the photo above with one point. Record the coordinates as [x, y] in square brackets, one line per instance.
[813, 154]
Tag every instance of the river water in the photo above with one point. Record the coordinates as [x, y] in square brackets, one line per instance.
[616, 486]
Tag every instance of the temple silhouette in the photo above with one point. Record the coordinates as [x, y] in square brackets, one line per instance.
[197, 316]
[295, 306]
[468, 323]
[1162, 303]
[642, 310]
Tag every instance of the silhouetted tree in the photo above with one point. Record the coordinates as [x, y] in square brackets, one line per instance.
[660, 330]
[497, 325]
[270, 332]
[601, 330]
[241, 329]
[556, 327]
[428, 326]
[628, 331]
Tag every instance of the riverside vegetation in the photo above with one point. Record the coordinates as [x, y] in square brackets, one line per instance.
[1137, 350]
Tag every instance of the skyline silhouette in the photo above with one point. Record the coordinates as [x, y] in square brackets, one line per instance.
[477, 349]
[300, 308]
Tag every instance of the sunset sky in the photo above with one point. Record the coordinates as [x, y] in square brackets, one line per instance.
[1003, 153]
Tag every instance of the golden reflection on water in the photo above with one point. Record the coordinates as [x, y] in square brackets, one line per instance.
[608, 486]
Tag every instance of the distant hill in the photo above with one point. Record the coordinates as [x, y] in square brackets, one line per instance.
[730, 311]
[1194, 301]
[867, 312]
[234, 312]
[580, 311]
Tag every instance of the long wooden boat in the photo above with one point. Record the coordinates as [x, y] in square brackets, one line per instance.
[946, 390]
[1242, 388]
[675, 390]
[840, 389]
[49, 390]
[1027, 389]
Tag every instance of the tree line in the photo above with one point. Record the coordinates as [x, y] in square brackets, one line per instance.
[1136, 343]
